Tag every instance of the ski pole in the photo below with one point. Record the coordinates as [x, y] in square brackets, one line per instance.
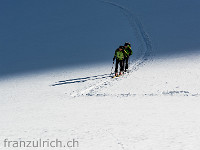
[112, 68]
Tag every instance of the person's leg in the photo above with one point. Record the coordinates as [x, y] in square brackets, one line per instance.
[121, 66]
[116, 66]
[124, 63]
[126, 67]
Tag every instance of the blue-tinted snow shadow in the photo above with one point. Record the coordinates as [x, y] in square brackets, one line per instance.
[41, 35]
[37, 35]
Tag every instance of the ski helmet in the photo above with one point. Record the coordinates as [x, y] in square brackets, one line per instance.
[121, 47]
[127, 44]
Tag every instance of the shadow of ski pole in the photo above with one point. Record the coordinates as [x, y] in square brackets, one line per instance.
[81, 80]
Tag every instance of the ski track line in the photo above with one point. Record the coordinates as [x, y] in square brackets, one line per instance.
[87, 90]
[117, 140]
[169, 94]
[144, 38]
[140, 33]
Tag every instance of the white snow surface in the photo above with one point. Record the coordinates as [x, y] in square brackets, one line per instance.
[154, 107]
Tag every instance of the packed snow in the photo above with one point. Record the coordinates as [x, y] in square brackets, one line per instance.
[155, 106]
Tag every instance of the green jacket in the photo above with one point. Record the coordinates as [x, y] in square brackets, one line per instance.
[119, 54]
[128, 51]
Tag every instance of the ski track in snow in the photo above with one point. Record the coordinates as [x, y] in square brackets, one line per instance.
[140, 33]
[165, 93]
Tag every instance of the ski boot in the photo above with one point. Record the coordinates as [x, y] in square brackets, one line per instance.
[116, 75]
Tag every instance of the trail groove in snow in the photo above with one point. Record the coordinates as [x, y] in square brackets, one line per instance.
[142, 36]
[138, 29]
[164, 93]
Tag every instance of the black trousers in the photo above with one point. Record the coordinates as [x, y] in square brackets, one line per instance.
[121, 63]
[126, 63]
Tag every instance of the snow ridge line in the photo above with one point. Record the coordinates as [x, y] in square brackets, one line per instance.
[140, 34]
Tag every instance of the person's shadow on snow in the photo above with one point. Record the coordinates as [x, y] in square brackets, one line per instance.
[81, 80]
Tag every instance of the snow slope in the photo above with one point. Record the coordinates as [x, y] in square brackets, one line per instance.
[155, 106]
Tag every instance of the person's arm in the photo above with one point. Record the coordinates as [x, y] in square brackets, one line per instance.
[114, 58]
[130, 51]
[125, 52]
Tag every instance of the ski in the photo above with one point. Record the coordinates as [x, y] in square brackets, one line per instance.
[117, 76]
[113, 77]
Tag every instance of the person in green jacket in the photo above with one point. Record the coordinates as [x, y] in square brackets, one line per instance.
[119, 56]
[127, 52]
